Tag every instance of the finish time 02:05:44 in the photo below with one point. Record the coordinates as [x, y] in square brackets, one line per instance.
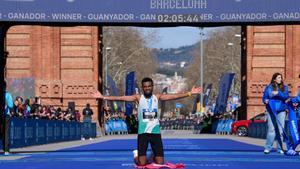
[184, 18]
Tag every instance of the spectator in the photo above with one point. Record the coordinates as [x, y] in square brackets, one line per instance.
[77, 116]
[102, 113]
[72, 115]
[131, 122]
[27, 108]
[57, 114]
[87, 113]
[296, 104]
[207, 123]
[68, 114]
[51, 113]
[43, 113]
[7, 111]
[18, 109]
[8, 104]
[278, 93]
[15, 109]
[34, 106]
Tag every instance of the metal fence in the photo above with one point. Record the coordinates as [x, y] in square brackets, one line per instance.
[28, 132]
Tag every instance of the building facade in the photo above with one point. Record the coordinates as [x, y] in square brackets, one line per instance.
[63, 61]
[270, 49]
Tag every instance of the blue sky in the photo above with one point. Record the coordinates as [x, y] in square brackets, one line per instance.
[173, 37]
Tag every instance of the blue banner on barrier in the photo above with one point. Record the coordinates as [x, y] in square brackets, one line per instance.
[117, 125]
[27, 132]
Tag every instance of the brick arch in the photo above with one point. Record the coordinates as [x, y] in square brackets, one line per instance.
[271, 49]
[63, 61]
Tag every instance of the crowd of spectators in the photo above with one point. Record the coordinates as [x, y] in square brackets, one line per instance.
[194, 122]
[31, 108]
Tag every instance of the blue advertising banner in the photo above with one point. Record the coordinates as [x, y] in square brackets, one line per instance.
[116, 125]
[225, 85]
[149, 11]
[114, 91]
[28, 132]
[130, 90]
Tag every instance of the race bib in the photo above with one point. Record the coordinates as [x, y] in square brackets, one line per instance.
[149, 115]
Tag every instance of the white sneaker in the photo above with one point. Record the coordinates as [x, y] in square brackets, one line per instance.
[266, 151]
[280, 151]
[135, 153]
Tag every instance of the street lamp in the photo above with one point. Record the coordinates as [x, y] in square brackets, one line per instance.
[238, 35]
[231, 44]
[201, 68]
[107, 49]
[234, 80]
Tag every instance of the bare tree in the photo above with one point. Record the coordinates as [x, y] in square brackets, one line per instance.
[129, 52]
[222, 53]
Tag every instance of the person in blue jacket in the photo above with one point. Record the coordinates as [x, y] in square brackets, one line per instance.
[278, 93]
[296, 103]
[8, 102]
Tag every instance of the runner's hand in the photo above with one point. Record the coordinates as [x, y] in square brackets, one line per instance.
[196, 90]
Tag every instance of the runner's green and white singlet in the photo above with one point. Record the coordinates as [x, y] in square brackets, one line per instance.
[148, 115]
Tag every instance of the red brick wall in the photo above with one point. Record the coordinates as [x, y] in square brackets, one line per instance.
[271, 49]
[63, 61]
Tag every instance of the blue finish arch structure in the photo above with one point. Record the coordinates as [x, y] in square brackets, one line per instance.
[149, 11]
[140, 13]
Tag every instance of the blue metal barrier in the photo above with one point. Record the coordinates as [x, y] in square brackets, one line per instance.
[28, 132]
[259, 129]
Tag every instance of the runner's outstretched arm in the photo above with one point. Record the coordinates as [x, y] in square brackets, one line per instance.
[194, 90]
[130, 98]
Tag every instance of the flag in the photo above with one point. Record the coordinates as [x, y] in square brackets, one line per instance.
[113, 91]
[224, 89]
[130, 90]
[196, 102]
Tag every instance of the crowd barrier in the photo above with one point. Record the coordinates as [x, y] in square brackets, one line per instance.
[178, 124]
[259, 129]
[222, 126]
[117, 126]
[28, 132]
